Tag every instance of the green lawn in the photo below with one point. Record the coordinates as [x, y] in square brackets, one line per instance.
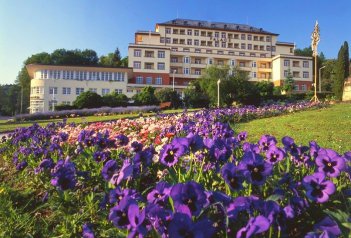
[6, 126]
[329, 127]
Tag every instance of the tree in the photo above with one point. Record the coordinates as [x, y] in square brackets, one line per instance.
[124, 62]
[168, 95]
[88, 100]
[289, 82]
[327, 74]
[234, 86]
[146, 97]
[341, 71]
[112, 59]
[265, 88]
[194, 97]
[115, 100]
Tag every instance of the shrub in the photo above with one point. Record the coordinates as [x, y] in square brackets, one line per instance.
[88, 100]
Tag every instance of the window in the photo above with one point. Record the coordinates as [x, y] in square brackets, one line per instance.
[296, 64]
[305, 64]
[168, 40]
[196, 42]
[254, 64]
[149, 65]
[129, 90]
[296, 74]
[186, 60]
[254, 75]
[216, 44]
[243, 36]
[52, 90]
[66, 91]
[105, 91]
[175, 31]
[174, 60]
[296, 87]
[232, 62]
[268, 48]
[197, 71]
[243, 46]
[305, 74]
[186, 50]
[286, 73]
[118, 91]
[148, 80]
[253, 54]
[158, 80]
[161, 66]
[230, 52]
[161, 54]
[137, 64]
[79, 91]
[197, 50]
[119, 76]
[242, 64]
[162, 40]
[139, 79]
[291, 50]
[220, 52]
[224, 35]
[168, 30]
[273, 48]
[268, 38]
[174, 49]
[216, 34]
[287, 63]
[94, 90]
[303, 87]
[196, 32]
[137, 53]
[197, 61]
[249, 46]
[208, 51]
[249, 37]
[210, 61]
[241, 54]
[236, 36]
[189, 42]
[224, 45]
[186, 71]
[189, 32]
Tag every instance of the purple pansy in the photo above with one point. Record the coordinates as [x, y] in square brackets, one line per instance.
[242, 136]
[254, 168]
[274, 154]
[109, 169]
[232, 176]
[170, 153]
[64, 175]
[88, 231]
[182, 226]
[317, 188]
[256, 225]
[125, 172]
[160, 194]
[329, 162]
[136, 219]
[122, 140]
[119, 214]
[188, 198]
[266, 141]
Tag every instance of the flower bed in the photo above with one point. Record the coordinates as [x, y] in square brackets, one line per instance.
[186, 175]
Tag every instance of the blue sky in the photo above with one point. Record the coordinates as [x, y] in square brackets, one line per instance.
[33, 26]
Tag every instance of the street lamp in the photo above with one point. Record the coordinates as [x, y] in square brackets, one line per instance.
[218, 82]
[320, 78]
[173, 78]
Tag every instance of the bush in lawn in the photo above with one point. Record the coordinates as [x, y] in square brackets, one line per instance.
[146, 97]
[115, 100]
[62, 107]
[168, 95]
[266, 89]
[88, 100]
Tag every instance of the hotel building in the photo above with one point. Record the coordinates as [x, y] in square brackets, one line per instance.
[52, 85]
[172, 55]
[183, 48]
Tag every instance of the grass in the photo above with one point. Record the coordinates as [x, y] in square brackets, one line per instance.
[6, 126]
[329, 127]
